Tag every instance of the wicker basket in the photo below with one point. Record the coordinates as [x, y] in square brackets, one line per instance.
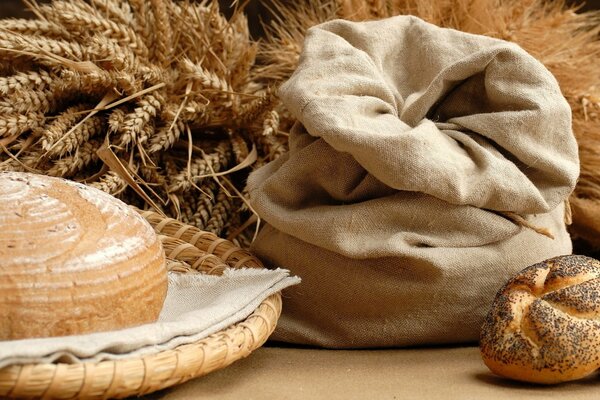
[188, 250]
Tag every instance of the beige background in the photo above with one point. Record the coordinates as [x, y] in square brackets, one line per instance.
[433, 373]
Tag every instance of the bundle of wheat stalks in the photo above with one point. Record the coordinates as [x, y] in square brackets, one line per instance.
[152, 101]
[161, 102]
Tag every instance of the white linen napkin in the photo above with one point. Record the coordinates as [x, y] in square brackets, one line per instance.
[196, 306]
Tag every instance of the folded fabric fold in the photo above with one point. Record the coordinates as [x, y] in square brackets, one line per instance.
[196, 306]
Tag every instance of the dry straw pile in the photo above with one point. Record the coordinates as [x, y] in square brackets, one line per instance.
[161, 102]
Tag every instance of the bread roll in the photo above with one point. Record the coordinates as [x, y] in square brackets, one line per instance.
[73, 260]
[544, 324]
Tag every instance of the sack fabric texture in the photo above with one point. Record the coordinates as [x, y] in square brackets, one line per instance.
[414, 149]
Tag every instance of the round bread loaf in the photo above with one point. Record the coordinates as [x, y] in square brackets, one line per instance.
[544, 324]
[73, 260]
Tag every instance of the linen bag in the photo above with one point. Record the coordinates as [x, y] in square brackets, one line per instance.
[422, 160]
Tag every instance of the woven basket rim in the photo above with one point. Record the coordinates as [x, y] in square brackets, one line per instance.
[142, 375]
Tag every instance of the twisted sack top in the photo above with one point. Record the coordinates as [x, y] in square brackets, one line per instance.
[412, 137]
[401, 104]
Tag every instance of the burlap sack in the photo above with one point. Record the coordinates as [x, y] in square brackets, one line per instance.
[413, 145]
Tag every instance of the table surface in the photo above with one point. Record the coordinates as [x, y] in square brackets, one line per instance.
[428, 373]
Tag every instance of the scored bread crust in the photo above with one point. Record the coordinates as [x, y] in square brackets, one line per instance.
[544, 324]
[74, 260]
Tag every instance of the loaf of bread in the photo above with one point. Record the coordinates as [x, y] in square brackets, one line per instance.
[73, 260]
[544, 324]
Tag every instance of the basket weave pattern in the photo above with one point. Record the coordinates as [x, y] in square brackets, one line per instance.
[189, 250]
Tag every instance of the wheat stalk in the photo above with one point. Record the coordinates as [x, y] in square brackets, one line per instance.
[28, 80]
[136, 125]
[17, 124]
[74, 138]
[79, 18]
[83, 156]
[115, 10]
[221, 211]
[111, 183]
[46, 29]
[271, 123]
[200, 167]
[204, 204]
[239, 147]
[14, 45]
[55, 136]
[163, 37]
